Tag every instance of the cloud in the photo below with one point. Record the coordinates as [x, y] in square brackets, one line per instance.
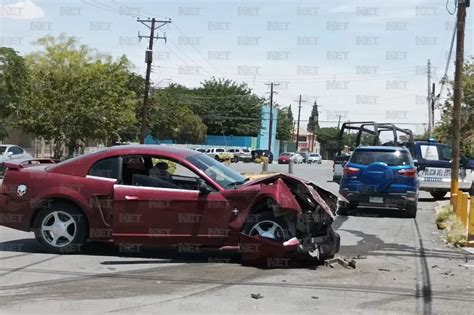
[22, 10]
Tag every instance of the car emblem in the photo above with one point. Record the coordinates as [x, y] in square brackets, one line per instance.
[21, 190]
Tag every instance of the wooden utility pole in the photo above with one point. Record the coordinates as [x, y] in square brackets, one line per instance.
[149, 61]
[458, 90]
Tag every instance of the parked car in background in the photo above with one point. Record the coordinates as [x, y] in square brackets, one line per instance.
[315, 158]
[11, 151]
[243, 155]
[286, 157]
[257, 154]
[381, 177]
[298, 158]
[219, 154]
[202, 150]
[281, 216]
[305, 156]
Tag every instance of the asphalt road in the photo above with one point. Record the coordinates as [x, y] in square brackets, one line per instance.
[403, 268]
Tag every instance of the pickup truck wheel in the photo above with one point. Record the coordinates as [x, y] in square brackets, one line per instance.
[60, 228]
[438, 195]
[411, 210]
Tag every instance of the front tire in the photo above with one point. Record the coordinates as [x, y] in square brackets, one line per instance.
[265, 224]
[411, 210]
[61, 228]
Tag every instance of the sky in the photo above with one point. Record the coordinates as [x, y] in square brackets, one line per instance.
[359, 59]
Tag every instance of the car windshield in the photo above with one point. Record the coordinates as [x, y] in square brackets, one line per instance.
[314, 154]
[2, 149]
[224, 176]
[285, 154]
[391, 158]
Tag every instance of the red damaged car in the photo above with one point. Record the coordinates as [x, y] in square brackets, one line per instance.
[159, 196]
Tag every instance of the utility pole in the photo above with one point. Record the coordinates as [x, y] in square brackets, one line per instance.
[148, 60]
[298, 123]
[430, 126]
[339, 122]
[433, 102]
[271, 116]
[458, 90]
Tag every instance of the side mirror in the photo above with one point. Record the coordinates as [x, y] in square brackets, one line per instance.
[10, 154]
[415, 162]
[203, 188]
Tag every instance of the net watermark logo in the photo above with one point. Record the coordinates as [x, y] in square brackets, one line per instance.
[189, 248]
[366, 70]
[189, 70]
[337, 55]
[396, 85]
[366, 100]
[396, 114]
[188, 11]
[336, 114]
[41, 26]
[217, 26]
[367, 40]
[248, 40]
[248, 11]
[277, 26]
[367, 11]
[218, 55]
[307, 40]
[248, 70]
[11, 40]
[189, 218]
[336, 26]
[396, 55]
[70, 11]
[100, 26]
[307, 11]
[395, 26]
[161, 55]
[426, 40]
[128, 40]
[337, 85]
[189, 40]
[426, 11]
[278, 55]
[130, 218]
[306, 70]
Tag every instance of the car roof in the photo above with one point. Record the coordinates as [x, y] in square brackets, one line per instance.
[380, 148]
[80, 165]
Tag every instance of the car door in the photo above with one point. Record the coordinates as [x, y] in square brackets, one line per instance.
[169, 215]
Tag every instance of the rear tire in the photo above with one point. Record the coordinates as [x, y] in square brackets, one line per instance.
[411, 210]
[61, 228]
[438, 195]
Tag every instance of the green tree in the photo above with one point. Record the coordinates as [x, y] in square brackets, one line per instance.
[227, 107]
[443, 130]
[170, 118]
[313, 123]
[75, 94]
[285, 123]
[13, 84]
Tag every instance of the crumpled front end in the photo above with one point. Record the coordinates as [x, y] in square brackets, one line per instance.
[308, 212]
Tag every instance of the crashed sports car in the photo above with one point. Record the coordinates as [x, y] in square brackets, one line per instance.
[149, 195]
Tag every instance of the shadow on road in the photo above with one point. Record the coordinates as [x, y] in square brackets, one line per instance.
[374, 212]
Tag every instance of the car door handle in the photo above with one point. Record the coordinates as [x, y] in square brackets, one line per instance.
[131, 198]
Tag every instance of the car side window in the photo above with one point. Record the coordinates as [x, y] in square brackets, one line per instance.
[446, 153]
[429, 152]
[15, 150]
[108, 168]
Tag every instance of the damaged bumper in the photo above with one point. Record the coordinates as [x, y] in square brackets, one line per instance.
[308, 212]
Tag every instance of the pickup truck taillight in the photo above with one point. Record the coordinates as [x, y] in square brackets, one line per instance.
[408, 172]
[351, 170]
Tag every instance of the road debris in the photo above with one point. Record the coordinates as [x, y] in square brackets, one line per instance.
[359, 257]
[256, 296]
[315, 297]
[342, 261]
[435, 266]
[383, 269]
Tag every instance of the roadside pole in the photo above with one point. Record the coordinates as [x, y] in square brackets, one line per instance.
[458, 90]
[430, 126]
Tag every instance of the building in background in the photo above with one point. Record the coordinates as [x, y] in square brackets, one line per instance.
[307, 141]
